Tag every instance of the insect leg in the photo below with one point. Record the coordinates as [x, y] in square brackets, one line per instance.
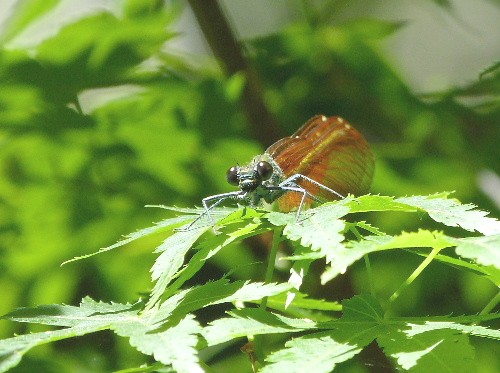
[293, 180]
[218, 198]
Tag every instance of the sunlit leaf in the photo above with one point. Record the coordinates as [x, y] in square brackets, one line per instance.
[320, 230]
[454, 214]
[315, 353]
[355, 250]
[173, 250]
[175, 346]
[252, 322]
[445, 348]
[321, 352]
[484, 250]
[223, 291]
[88, 318]
[378, 203]
[135, 236]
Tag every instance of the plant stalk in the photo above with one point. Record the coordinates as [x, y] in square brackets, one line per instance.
[491, 304]
[258, 340]
[415, 274]
[229, 53]
[367, 262]
[272, 261]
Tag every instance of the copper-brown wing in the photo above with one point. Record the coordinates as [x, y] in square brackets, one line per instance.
[329, 151]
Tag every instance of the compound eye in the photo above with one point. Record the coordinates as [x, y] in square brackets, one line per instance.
[265, 170]
[232, 176]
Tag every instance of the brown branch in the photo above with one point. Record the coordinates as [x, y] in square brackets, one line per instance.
[228, 52]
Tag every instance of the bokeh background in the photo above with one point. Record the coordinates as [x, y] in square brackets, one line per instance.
[108, 106]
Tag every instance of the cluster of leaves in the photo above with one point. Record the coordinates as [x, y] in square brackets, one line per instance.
[98, 118]
[92, 128]
[165, 326]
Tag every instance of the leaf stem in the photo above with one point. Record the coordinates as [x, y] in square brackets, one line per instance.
[229, 51]
[369, 271]
[491, 304]
[415, 274]
[272, 261]
[370, 274]
[258, 340]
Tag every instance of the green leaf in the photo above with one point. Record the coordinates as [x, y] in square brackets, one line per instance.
[354, 250]
[208, 249]
[174, 346]
[483, 250]
[442, 350]
[13, 349]
[463, 319]
[367, 227]
[63, 315]
[378, 203]
[155, 368]
[173, 250]
[252, 321]
[297, 304]
[447, 211]
[369, 28]
[476, 330]
[96, 44]
[235, 85]
[320, 229]
[24, 14]
[222, 291]
[454, 214]
[244, 213]
[318, 353]
[93, 316]
[255, 290]
[88, 318]
[303, 301]
[362, 308]
[489, 272]
[297, 273]
[321, 352]
[422, 238]
[167, 223]
[493, 70]
[419, 344]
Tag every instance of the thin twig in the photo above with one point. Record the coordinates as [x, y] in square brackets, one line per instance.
[415, 274]
[491, 304]
[229, 53]
[367, 262]
[272, 261]
[258, 339]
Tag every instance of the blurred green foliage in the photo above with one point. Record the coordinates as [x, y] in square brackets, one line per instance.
[100, 119]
